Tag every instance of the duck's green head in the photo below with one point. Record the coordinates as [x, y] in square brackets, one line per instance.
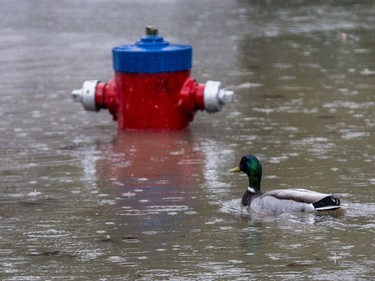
[251, 166]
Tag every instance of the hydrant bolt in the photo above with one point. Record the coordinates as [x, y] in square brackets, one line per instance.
[151, 30]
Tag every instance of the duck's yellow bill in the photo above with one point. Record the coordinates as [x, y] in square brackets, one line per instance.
[235, 170]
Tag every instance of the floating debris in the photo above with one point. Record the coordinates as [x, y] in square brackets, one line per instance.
[342, 36]
[131, 239]
[298, 264]
[51, 253]
[106, 239]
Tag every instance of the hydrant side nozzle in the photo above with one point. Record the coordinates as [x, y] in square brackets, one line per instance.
[191, 96]
[107, 97]
[86, 95]
[215, 96]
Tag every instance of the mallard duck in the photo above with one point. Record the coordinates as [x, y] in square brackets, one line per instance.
[281, 200]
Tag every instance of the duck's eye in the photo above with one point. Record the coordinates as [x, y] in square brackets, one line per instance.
[243, 165]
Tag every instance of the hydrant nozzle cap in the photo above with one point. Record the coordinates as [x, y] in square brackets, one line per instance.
[215, 96]
[86, 95]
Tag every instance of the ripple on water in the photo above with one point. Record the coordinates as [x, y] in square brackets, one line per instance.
[156, 209]
[318, 146]
[48, 233]
[355, 135]
[356, 210]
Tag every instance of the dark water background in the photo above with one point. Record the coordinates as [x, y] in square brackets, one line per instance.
[81, 201]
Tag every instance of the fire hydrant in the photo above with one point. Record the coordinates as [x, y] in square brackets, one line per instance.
[152, 87]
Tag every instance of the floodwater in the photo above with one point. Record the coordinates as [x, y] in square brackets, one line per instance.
[81, 201]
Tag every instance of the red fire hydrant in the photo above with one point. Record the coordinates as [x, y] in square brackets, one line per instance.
[152, 88]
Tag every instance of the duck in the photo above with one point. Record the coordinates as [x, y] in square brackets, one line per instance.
[279, 201]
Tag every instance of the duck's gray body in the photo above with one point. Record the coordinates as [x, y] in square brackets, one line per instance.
[280, 200]
[283, 201]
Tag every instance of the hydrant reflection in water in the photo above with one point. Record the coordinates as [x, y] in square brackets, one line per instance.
[152, 88]
[151, 173]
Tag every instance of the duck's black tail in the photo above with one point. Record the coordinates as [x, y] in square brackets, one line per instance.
[327, 203]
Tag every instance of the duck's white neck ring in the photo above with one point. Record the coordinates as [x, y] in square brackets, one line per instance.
[250, 189]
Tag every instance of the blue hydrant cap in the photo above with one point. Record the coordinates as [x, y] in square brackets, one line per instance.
[152, 55]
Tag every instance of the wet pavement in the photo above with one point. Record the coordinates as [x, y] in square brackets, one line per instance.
[81, 201]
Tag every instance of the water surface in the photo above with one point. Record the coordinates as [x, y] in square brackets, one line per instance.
[81, 201]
